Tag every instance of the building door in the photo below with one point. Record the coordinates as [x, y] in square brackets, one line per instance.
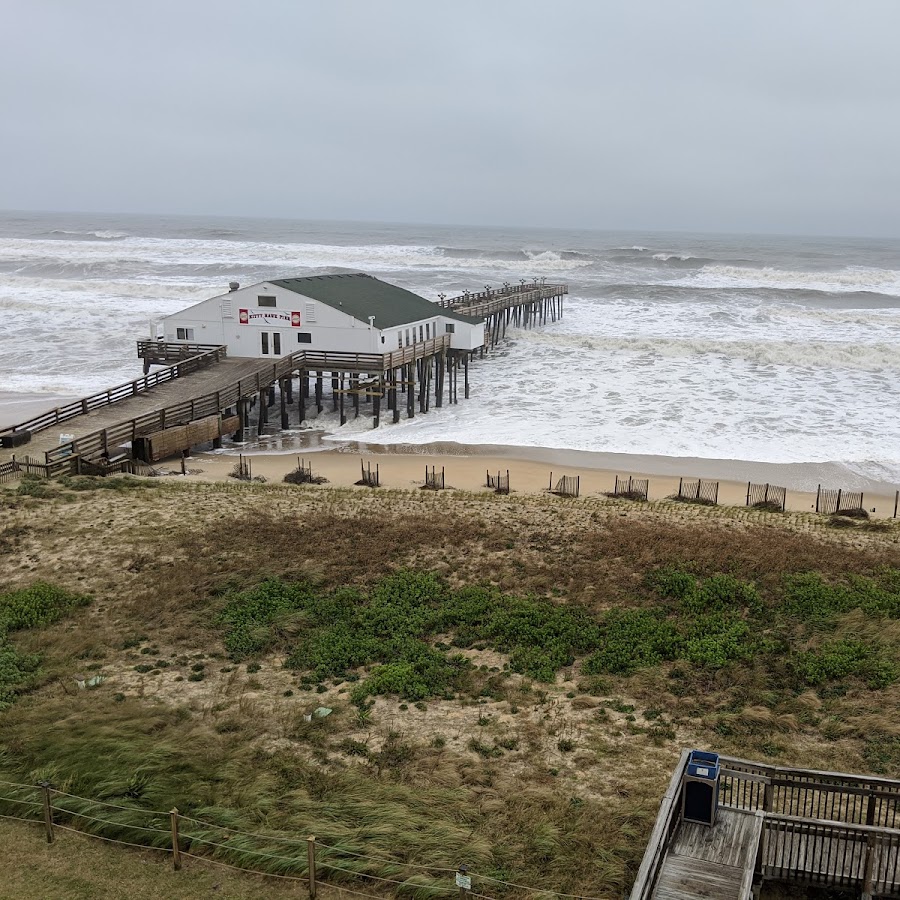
[264, 337]
[276, 343]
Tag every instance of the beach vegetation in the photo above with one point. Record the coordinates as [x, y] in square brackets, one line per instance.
[386, 672]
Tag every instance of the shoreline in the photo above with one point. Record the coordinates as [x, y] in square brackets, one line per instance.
[406, 471]
[800, 478]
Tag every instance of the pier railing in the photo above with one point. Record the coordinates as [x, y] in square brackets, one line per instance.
[187, 365]
[484, 303]
[60, 460]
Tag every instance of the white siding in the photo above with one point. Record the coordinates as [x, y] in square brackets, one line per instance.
[219, 321]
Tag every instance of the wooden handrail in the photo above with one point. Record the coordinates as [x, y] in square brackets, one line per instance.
[666, 820]
[119, 392]
[212, 403]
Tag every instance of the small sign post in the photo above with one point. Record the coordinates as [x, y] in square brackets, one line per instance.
[463, 881]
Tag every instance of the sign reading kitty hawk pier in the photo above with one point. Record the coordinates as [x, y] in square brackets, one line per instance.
[268, 317]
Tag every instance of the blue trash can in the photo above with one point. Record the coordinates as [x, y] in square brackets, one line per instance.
[700, 788]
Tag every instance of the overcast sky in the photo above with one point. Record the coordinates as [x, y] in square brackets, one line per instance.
[769, 115]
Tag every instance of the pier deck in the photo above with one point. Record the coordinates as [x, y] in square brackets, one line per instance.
[793, 826]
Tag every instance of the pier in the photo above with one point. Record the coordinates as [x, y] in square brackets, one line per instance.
[774, 824]
[201, 383]
[512, 306]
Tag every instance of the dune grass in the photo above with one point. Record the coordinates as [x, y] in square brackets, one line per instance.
[511, 679]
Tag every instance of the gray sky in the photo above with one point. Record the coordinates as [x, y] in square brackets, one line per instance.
[770, 115]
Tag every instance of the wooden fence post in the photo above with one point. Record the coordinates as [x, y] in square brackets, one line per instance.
[48, 810]
[176, 849]
[311, 865]
[818, 491]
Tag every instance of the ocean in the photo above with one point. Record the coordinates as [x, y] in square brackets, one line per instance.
[750, 347]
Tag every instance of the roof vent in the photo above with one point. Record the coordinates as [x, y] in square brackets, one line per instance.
[233, 286]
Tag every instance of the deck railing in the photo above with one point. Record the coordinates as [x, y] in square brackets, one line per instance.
[61, 459]
[186, 366]
[820, 828]
[810, 794]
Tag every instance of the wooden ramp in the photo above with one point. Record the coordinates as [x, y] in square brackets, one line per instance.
[216, 376]
[711, 862]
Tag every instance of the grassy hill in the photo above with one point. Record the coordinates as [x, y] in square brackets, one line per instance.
[510, 679]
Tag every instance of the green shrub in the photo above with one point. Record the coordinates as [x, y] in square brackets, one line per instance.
[36, 606]
[32, 607]
[847, 658]
[633, 639]
[254, 619]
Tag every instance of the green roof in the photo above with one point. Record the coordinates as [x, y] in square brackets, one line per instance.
[360, 295]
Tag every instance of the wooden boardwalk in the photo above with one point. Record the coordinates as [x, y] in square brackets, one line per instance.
[153, 400]
[711, 862]
[792, 826]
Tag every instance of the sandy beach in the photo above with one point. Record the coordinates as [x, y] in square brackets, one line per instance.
[16, 408]
[468, 472]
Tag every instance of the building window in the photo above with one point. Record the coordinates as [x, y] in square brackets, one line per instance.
[450, 328]
[184, 334]
[407, 338]
[428, 331]
[421, 332]
[276, 343]
[265, 301]
[304, 337]
[400, 339]
[264, 336]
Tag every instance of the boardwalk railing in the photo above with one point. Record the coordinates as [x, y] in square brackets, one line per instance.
[61, 459]
[766, 495]
[827, 828]
[830, 502]
[120, 392]
[667, 821]
[484, 303]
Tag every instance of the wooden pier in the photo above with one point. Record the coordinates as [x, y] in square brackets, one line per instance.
[793, 826]
[199, 382]
[523, 305]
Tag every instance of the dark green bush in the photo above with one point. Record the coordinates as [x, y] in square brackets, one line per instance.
[847, 658]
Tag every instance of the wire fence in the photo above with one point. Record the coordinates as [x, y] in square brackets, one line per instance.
[318, 864]
[830, 502]
[698, 491]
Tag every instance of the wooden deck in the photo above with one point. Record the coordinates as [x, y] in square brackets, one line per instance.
[793, 826]
[711, 862]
